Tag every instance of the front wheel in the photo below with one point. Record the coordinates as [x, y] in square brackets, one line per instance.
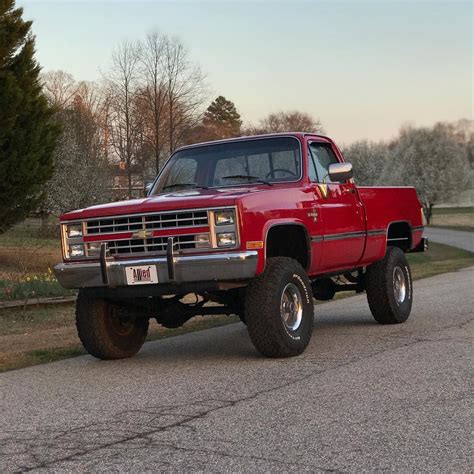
[279, 309]
[389, 288]
[106, 330]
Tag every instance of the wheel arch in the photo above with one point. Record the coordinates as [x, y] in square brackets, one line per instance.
[399, 234]
[272, 228]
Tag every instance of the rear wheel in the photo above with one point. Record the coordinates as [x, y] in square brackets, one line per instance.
[106, 330]
[389, 288]
[279, 309]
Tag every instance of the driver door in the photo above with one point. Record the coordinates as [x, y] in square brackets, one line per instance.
[340, 210]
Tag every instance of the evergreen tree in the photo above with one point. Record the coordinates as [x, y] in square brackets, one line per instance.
[28, 132]
[221, 119]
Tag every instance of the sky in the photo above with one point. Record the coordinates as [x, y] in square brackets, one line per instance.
[364, 68]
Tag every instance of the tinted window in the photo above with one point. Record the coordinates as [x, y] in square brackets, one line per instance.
[323, 156]
[183, 172]
[233, 163]
[313, 176]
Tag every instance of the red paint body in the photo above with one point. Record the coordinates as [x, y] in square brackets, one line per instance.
[346, 209]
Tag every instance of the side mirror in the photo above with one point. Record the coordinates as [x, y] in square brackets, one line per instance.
[340, 171]
[148, 187]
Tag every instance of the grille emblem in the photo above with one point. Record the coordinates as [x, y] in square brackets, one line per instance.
[142, 234]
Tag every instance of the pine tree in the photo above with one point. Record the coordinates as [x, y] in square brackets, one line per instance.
[222, 119]
[28, 131]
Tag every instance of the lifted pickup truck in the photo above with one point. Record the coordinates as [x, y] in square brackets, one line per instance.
[253, 226]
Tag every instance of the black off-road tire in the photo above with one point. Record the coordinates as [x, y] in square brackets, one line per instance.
[267, 330]
[324, 289]
[105, 330]
[242, 318]
[380, 287]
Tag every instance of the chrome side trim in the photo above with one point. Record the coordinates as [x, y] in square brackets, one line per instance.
[347, 235]
[344, 235]
[371, 233]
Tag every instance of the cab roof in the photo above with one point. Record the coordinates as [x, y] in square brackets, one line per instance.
[298, 135]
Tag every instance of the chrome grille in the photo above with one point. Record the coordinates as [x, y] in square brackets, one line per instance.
[167, 221]
[149, 221]
[155, 245]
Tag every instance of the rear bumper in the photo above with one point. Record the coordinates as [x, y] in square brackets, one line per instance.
[228, 266]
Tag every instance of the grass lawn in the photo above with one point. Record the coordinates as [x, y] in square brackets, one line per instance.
[439, 259]
[27, 255]
[30, 234]
[47, 333]
[456, 218]
[27, 260]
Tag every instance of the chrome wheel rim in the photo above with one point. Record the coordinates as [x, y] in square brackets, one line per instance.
[291, 307]
[399, 285]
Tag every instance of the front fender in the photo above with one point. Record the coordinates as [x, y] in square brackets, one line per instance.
[266, 228]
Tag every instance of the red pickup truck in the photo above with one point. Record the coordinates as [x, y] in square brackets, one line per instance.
[253, 226]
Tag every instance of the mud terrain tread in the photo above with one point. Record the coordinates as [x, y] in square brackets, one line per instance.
[378, 281]
[96, 337]
[265, 328]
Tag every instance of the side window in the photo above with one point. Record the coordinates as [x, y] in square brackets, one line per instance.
[323, 156]
[313, 176]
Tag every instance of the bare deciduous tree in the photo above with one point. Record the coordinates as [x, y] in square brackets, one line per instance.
[154, 94]
[292, 121]
[60, 88]
[121, 86]
[185, 91]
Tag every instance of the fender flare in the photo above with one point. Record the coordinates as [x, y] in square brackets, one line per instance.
[280, 223]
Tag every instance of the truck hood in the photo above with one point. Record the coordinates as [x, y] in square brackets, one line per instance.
[186, 199]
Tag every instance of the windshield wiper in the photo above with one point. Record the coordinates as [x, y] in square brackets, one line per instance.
[183, 185]
[249, 178]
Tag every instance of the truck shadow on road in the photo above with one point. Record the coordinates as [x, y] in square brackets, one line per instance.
[232, 342]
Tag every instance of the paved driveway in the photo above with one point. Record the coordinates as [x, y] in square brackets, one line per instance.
[362, 397]
[456, 238]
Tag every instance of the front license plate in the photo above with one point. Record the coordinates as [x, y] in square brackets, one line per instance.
[141, 275]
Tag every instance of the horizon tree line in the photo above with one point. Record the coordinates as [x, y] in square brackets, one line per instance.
[59, 136]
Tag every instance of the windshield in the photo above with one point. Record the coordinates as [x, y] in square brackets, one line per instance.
[265, 161]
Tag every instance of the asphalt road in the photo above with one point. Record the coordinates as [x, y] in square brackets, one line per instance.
[362, 397]
[456, 238]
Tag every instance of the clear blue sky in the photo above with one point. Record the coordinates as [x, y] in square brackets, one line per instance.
[363, 67]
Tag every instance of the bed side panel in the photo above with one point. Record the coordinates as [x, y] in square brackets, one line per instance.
[383, 206]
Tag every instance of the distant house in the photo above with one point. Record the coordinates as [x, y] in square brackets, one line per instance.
[120, 181]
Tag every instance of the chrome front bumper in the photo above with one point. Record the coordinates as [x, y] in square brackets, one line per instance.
[219, 267]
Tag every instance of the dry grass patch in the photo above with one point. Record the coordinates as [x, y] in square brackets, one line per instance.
[459, 218]
[43, 334]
